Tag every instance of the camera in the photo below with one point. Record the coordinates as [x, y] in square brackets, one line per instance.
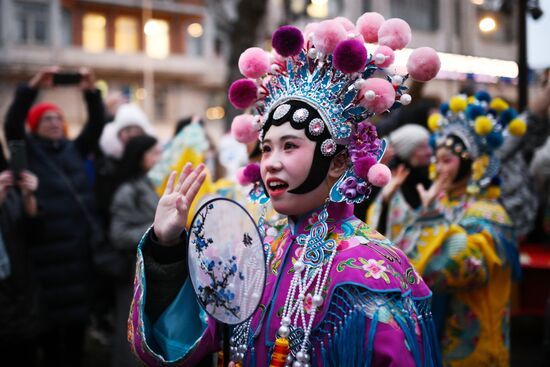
[67, 78]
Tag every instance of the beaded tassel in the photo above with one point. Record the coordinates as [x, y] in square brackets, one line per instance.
[280, 353]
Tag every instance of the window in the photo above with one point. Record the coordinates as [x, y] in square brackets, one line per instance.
[420, 14]
[66, 28]
[157, 38]
[126, 35]
[93, 32]
[32, 23]
[194, 39]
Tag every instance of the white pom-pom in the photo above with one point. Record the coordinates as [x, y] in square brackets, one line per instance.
[405, 99]
[312, 53]
[351, 35]
[379, 59]
[274, 68]
[397, 80]
[370, 95]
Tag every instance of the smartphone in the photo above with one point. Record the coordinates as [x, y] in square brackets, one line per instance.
[66, 78]
[18, 156]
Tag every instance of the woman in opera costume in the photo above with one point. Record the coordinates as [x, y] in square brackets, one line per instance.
[462, 241]
[337, 293]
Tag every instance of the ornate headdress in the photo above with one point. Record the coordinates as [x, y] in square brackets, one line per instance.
[329, 69]
[474, 128]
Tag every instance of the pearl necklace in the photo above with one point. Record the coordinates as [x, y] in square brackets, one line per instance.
[306, 273]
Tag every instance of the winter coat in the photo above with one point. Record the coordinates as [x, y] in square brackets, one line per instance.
[20, 296]
[61, 253]
[132, 213]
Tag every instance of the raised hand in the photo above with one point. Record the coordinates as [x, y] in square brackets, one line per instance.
[427, 197]
[44, 78]
[173, 207]
[88, 79]
[399, 175]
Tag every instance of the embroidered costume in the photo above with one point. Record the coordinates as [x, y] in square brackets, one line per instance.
[337, 293]
[464, 246]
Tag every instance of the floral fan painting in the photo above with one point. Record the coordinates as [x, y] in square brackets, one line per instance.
[226, 261]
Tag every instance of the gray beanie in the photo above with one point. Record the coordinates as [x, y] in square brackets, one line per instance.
[405, 139]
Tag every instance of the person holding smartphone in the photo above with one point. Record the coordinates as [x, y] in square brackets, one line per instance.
[61, 253]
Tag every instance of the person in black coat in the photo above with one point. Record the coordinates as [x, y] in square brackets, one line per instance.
[20, 306]
[61, 253]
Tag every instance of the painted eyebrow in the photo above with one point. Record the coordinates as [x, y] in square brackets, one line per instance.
[285, 138]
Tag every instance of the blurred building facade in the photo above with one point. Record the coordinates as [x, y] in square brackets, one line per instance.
[449, 26]
[163, 53]
[159, 53]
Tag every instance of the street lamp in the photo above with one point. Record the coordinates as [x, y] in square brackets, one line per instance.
[487, 24]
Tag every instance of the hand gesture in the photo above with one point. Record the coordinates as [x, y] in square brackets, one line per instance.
[173, 207]
[6, 180]
[88, 79]
[398, 176]
[427, 197]
[28, 183]
[44, 78]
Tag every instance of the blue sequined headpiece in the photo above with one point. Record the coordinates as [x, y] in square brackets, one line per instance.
[482, 124]
[332, 72]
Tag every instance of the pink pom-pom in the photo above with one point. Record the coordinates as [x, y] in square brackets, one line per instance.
[242, 93]
[252, 172]
[362, 166]
[350, 56]
[379, 175]
[378, 95]
[368, 24]
[394, 33]
[389, 56]
[327, 35]
[346, 23]
[288, 40]
[423, 64]
[309, 29]
[244, 129]
[240, 177]
[248, 174]
[254, 62]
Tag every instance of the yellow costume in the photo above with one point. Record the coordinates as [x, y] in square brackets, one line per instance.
[466, 253]
[465, 247]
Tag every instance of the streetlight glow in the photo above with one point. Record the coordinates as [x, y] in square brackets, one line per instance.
[477, 2]
[195, 30]
[487, 24]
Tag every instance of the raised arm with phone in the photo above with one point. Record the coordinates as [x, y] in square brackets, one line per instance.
[37, 136]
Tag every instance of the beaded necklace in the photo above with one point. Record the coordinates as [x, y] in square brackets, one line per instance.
[310, 270]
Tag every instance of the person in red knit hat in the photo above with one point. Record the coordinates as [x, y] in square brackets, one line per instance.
[61, 241]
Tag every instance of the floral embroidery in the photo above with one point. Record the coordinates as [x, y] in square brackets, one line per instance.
[308, 303]
[373, 268]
